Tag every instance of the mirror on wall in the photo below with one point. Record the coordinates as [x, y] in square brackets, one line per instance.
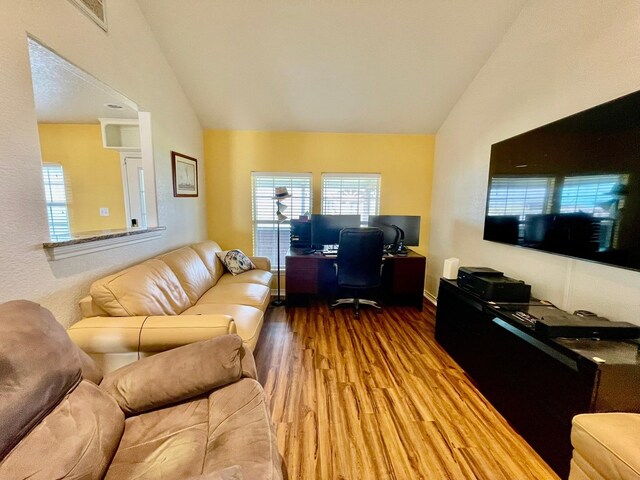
[96, 177]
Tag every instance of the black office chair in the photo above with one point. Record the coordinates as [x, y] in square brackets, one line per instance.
[359, 265]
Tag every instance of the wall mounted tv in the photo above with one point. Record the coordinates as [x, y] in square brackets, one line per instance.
[571, 187]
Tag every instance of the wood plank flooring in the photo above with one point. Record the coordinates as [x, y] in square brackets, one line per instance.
[378, 398]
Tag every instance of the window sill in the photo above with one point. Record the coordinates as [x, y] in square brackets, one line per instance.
[85, 244]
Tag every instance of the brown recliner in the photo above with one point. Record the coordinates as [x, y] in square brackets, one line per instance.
[192, 412]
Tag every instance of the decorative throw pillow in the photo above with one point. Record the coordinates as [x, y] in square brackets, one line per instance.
[235, 261]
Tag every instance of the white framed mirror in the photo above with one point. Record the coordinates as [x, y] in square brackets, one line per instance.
[97, 157]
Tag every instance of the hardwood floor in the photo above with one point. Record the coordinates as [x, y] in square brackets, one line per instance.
[378, 398]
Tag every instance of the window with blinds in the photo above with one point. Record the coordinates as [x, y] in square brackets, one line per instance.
[351, 194]
[263, 185]
[593, 194]
[56, 197]
[520, 195]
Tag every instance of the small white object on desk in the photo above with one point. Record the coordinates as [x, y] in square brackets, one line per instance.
[450, 271]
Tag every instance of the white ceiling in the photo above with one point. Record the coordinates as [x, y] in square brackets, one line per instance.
[66, 94]
[374, 66]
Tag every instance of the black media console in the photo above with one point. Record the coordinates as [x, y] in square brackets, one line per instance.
[538, 384]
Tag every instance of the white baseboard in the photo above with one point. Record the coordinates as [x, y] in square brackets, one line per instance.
[427, 295]
[430, 297]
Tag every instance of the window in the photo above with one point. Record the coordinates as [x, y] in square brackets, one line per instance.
[56, 197]
[520, 195]
[593, 194]
[264, 210]
[351, 194]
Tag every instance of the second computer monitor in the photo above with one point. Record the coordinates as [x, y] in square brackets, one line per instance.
[325, 229]
[410, 225]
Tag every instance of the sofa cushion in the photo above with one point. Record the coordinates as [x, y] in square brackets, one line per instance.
[167, 443]
[191, 271]
[241, 433]
[241, 293]
[149, 288]
[39, 365]
[248, 320]
[76, 440]
[261, 277]
[207, 251]
[607, 443]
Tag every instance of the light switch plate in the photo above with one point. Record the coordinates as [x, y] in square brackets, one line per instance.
[104, 212]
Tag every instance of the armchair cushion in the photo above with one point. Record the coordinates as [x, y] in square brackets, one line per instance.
[39, 366]
[176, 375]
[77, 439]
[606, 446]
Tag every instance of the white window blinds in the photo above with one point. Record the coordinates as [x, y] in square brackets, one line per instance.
[520, 195]
[351, 194]
[56, 198]
[594, 194]
[263, 185]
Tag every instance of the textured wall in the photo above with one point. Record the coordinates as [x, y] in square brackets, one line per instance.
[129, 60]
[558, 58]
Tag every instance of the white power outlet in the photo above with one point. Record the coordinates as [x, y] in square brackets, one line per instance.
[104, 212]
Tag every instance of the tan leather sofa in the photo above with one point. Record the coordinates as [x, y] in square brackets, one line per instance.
[195, 412]
[174, 299]
[606, 446]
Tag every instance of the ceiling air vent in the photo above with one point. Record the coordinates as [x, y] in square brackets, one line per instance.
[94, 9]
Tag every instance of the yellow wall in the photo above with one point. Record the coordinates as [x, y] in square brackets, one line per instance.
[405, 163]
[92, 174]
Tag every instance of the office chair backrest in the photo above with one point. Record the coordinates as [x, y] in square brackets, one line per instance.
[360, 257]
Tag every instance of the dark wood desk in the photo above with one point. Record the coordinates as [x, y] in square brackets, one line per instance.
[315, 275]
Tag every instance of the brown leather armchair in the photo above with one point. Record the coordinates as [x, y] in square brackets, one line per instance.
[192, 412]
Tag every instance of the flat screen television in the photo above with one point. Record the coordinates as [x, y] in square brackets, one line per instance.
[571, 187]
[410, 225]
[325, 229]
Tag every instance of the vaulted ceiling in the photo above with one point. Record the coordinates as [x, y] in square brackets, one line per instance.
[372, 66]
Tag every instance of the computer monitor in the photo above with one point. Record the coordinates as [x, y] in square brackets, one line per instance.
[409, 224]
[325, 229]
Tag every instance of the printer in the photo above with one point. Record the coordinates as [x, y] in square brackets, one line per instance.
[492, 285]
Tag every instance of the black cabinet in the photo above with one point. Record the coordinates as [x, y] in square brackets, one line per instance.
[538, 384]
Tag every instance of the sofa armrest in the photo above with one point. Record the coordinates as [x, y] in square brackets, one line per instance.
[160, 333]
[107, 334]
[176, 375]
[261, 263]
[155, 333]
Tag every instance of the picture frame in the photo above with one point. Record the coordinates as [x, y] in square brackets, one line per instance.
[185, 175]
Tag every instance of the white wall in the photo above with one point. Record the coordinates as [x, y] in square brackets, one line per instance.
[128, 59]
[558, 58]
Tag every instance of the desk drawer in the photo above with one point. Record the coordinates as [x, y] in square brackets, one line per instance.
[301, 276]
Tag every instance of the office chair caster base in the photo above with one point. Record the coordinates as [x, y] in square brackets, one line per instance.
[356, 302]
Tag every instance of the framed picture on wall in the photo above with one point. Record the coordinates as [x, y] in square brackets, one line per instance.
[185, 175]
